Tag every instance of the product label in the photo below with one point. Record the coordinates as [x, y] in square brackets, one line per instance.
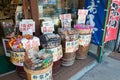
[17, 58]
[57, 53]
[71, 46]
[66, 20]
[82, 16]
[27, 26]
[44, 76]
[84, 40]
[47, 27]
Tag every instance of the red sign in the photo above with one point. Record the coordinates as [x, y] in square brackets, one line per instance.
[113, 21]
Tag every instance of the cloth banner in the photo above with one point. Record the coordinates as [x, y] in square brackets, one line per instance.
[96, 17]
[113, 21]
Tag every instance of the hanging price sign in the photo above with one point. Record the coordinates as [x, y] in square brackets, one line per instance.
[66, 20]
[82, 16]
[48, 27]
[27, 27]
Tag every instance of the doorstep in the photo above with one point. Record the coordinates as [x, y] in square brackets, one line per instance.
[74, 72]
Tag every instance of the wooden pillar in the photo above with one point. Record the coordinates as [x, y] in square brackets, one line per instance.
[25, 8]
[35, 16]
[81, 4]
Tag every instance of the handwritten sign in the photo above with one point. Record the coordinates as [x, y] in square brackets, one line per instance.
[66, 20]
[71, 46]
[30, 43]
[82, 16]
[47, 27]
[57, 53]
[84, 40]
[27, 27]
[44, 76]
[17, 58]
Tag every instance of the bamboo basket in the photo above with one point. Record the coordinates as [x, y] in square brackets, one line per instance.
[44, 74]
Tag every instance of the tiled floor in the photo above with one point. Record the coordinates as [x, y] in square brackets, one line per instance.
[64, 73]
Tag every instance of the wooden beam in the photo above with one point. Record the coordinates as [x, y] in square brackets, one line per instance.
[35, 16]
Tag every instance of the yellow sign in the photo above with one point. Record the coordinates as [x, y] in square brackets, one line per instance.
[17, 58]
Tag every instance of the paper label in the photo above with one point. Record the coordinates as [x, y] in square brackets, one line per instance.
[84, 40]
[66, 20]
[44, 76]
[27, 26]
[57, 53]
[82, 16]
[17, 58]
[47, 27]
[71, 46]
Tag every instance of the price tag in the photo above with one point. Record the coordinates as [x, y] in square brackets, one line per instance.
[71, 46]
[57, 53]
[82, 16]
[27, 27]
[17, 58]
[84, 40]
[48, 27]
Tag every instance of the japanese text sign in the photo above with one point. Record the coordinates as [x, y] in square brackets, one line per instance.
[27, 26]
[47, 27]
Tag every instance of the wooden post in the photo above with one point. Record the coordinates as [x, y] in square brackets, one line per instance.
[35, 16]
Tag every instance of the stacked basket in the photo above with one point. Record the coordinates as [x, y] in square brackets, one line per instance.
[69, 45]
[85, 33]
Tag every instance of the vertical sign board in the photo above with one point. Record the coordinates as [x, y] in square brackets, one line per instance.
[95, 18]
[113, 21]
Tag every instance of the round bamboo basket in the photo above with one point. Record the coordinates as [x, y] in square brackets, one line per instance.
[43, 74]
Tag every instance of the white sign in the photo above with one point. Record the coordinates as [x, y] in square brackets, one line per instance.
[66, 20]
[47, 27]
[71, 46]
[82, 16]
[27, 26]
[84, 40]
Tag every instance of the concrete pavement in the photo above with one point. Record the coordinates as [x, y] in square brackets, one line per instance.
[109, 69]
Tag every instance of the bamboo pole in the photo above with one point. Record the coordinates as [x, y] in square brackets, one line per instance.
[104, 32]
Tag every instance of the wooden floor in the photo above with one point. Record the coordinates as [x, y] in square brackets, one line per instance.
[64, 73]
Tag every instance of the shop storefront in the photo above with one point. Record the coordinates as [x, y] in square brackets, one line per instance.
[71, 33]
